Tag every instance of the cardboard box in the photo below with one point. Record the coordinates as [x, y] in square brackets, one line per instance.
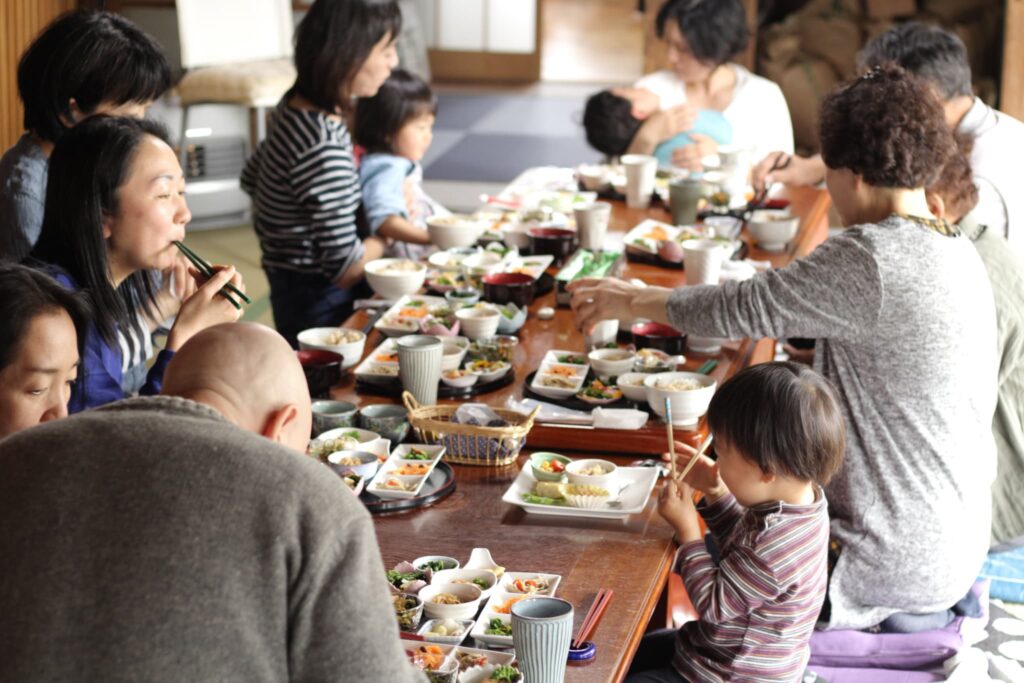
[805, 84]
[890, 9]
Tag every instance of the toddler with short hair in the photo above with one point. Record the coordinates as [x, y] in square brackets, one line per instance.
[779, 436]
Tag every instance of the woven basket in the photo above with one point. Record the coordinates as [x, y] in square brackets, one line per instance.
[470, 444]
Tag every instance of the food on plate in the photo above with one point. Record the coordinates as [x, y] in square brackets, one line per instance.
[534, 584]
[592, 471]
[557, 381]
[392, 484]
[339, 337]
[386, 356]
[656, 233]
[390, 370]
[598, 390]
[446, 629]
[436, 565]
[651, 358]
[634, 381]
[411, 469]
[455, 374]
[553, 465]
[406, 610]
[349, 460]
[407, 578]
[398, 323]
[572, 358]
[321, 448]
[681, 384]
[446, 599]
[468, 660]
[427, 656]
[618, 355]
[416, 454]
[479, 583]
[486, 367]
[497, 627]
[546, 493]
[412, 312]
[586, 496]
[504, 674]
[506, 607]
[399, 267]
[351, 480]
[563, 370]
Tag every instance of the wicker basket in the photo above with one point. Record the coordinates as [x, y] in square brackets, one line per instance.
[470, 444]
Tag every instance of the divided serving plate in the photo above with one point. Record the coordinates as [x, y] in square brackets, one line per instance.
[635, 486]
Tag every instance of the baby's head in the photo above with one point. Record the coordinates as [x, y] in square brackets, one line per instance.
[609, 123]
[399, 119]
[775, 423]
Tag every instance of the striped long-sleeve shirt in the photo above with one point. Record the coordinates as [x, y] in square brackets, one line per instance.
[305, 189]
[759, 605]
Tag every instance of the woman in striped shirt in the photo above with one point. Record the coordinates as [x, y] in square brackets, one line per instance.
[303, 178]
[779, 436]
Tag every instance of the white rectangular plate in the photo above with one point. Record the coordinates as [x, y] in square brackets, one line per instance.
[553, 355]
[396, 462]
[483, 623]
[505, 584]
[640, 481]
[476, 674]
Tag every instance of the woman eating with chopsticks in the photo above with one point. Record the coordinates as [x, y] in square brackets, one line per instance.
[115, 209]
[902, 311]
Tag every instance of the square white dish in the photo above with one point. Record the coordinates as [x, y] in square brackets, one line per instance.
[483, 622]
[553, 355]
[466, 624]
[635, 486]
[534, 266]
[435, 451]
[642, 236]
[387, 471]
[579, 374]
[393, 324]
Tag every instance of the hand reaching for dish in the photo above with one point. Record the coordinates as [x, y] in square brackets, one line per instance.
[595, 299]
[675, 505]
[703, 476]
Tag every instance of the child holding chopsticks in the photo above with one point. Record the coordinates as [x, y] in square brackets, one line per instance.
[779, 436]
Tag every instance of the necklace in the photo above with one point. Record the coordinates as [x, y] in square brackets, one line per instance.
[937, 224]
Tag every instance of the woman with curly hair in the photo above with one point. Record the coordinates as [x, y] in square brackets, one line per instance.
[897, 304]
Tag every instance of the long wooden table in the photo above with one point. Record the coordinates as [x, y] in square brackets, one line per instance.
[633, 556]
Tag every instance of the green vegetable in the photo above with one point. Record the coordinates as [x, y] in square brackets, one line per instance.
[436, 565]
[397, 578]
[483, 584]
[507, 312]
[351, 435]
[541, 500]
[506, 674]
[416, 454]
[414, 304]
[572, 359]
[498, 628]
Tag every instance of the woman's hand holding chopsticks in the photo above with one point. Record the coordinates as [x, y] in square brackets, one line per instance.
[208, 306]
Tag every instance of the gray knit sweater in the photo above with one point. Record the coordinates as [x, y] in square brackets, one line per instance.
[906, 331]
[151, 540]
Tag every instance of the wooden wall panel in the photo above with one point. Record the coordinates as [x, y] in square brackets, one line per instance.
[20, 21]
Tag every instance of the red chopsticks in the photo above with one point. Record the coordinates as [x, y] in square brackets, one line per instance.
[604, 596]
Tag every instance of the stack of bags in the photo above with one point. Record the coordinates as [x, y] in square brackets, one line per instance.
[815, 48]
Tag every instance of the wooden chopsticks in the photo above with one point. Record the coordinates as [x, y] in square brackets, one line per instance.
[206, 270]
[597, 608]
[694, 459]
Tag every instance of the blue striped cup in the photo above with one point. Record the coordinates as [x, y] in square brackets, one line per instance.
[541, 631]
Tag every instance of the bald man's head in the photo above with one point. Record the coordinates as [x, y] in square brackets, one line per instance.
[249, 374]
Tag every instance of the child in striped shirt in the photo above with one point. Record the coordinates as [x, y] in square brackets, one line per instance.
[779, 437]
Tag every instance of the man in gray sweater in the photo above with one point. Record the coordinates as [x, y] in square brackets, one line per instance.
[170, 538]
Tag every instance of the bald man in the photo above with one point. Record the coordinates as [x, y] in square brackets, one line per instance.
[182, 537]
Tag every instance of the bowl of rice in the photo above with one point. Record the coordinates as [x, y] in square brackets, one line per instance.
[688, 392]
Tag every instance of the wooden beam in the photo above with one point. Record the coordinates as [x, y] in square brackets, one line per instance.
[1011, 91]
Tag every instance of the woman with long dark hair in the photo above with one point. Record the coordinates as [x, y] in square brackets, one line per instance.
[303, 179]
[114, 206]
